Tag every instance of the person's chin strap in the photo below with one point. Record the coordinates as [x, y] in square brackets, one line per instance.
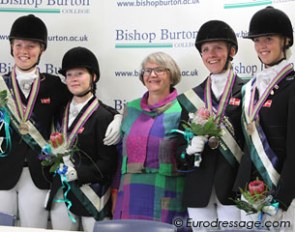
[229, 58]
[285, 47]
[274, 63]
[87, 91]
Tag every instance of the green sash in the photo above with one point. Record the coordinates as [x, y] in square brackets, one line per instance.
[256, 142]
[94, 204]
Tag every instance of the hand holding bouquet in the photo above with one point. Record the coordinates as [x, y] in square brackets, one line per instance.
[257, 199]
[52, 155]
[54, 151]
[203, 123]
[203, 126]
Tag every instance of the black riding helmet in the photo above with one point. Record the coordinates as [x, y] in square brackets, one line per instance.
[29, 27]
[270, 21]
[80, 57]
[216, 30]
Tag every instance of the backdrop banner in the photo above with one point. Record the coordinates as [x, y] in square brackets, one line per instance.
[123, 32]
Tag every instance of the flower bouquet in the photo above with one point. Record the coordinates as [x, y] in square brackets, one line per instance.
[257, 199]
[52, 155]
[54, 151]
[201, 123]
[205, 124]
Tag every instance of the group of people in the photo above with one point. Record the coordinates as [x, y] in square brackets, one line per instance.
[39, 104]
[256, 117]
[134, 166]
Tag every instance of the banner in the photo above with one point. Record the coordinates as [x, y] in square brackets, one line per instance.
[123, 32]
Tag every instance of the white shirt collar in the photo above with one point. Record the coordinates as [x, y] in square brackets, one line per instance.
[75, 109]
[218, 82]
[265, 77]
[21, 75]
[25, 80]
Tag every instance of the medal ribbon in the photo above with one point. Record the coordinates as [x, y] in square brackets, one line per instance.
[224, 99]
[253, 108]
[25, 112]
[34, 139]
[261, 154]
[70, 138]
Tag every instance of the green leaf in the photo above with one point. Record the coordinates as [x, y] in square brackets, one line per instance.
[243, 205]
[47, 162]
[197, 129]
[3, 98]
[54, 167]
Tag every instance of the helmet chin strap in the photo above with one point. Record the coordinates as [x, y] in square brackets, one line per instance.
[84, 93]
[229, 58]
[285, 47]
[272, 64]
[87, 91]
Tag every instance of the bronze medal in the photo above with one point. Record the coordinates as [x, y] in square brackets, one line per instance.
[213, 142]
[23, 128]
